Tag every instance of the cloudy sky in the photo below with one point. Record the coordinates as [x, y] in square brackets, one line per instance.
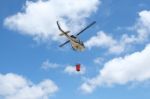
[114, 65]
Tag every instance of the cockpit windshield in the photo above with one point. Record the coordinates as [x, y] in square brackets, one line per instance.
[80, 42]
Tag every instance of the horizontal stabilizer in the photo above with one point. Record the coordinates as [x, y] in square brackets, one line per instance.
[63, 33]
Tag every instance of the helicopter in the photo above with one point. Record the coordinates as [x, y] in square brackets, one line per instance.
[76, 43]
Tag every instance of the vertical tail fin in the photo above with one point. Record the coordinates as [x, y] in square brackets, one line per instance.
[63, 32]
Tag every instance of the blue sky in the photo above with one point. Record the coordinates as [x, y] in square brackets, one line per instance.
[115, 63]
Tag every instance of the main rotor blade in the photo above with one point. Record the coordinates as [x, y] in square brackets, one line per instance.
[86, 28]
[59, 27]
[64, 43]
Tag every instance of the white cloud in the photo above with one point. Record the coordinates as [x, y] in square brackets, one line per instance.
[105, 41]
[13, 86]
[71, 70]
[102, 39]
[98, 60]
[38, 19]
[123, 70]
[48, 65]
[141, 27]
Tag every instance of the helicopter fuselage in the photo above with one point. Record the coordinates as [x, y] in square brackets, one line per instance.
[76, 44]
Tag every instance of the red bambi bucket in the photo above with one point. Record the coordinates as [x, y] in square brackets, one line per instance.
[78, 67]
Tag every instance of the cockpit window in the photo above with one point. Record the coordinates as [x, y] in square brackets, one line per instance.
[80, 42]
[73, 36]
